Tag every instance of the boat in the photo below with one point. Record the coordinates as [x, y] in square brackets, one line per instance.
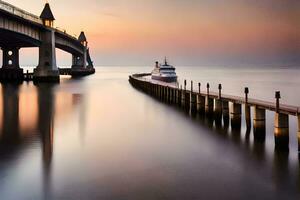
[164, 72]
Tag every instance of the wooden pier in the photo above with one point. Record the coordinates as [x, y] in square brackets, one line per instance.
[218, 105]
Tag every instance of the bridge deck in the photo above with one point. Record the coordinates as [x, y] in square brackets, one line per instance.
[286, 109]
[13, 10]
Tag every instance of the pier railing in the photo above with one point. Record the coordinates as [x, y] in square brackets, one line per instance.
[218, 105]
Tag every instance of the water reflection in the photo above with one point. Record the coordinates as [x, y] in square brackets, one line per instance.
[10, 132]
[14, 137]
[282, 175]
[45, 127]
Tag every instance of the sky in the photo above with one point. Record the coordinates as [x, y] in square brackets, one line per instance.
[188, 32]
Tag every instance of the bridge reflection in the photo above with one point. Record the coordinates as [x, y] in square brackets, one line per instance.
[27, 115]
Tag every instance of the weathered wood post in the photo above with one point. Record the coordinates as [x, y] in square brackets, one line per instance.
[200, 100]
[164, 93]
[225, 112]
[183, 95]
[193, 99]
[259, 123]
[247, 110]
[281, 127]
[167, 94]
[179, 96]
[187, 100]
[298, 134]
[235, 115]
[209, 102]
[218, 104]
[171, 95]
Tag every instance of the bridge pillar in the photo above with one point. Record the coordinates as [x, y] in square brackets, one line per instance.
[10, 68]
[79, 61]
[47, 69]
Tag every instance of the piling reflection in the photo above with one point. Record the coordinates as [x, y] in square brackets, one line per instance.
[281, 170]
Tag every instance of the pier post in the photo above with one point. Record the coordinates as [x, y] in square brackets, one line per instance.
[165, 93]
[259, 123]
[187, 100]
[171, 95]
[168, 94]
[247, 110]
[218, 104]
[298, 134]
[200, 100]
[209, 102]
[235, 115]
[281, 127]
[183, 96]
[193, 100]
[179, 96]
[225, 112]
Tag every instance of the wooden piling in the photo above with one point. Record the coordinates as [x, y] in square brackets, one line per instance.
[200, 103]
[298, 134]
[218, 105]
[187, 100]
[193, 99]
[281, 132]
[247, 110]
[281, 127]
[235, 115]
[259, 123]
[209, 102]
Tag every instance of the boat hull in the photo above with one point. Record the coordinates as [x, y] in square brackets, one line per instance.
[164, 79]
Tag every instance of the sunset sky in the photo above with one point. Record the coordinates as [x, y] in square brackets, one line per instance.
[192, 32]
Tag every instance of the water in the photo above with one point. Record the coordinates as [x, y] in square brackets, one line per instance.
[99, 138]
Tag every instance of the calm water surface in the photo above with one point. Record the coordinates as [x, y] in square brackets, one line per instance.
[99, 138]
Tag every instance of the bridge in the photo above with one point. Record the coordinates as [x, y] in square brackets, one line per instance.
[21, 29]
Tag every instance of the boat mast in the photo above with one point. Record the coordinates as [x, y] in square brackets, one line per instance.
[166, 63]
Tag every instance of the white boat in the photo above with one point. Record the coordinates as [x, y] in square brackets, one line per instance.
[164, 72]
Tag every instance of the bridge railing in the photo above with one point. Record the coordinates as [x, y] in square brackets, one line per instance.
[31, 17]
[19, 12]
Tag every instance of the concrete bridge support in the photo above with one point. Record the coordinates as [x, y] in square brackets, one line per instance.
[47, 69]
[259, 123]
[79, 61]
[281, 131]
[11, 68]
[235, 116]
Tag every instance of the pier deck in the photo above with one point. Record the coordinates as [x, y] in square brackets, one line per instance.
[285, 109]
[225, 107]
